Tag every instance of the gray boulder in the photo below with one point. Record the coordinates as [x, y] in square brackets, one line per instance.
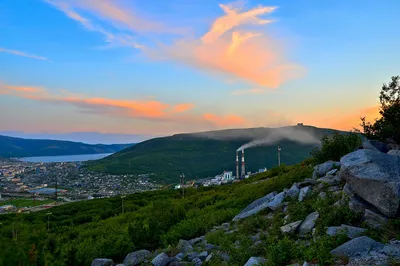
[322, 195]
[352, 248]
[330, 180]
[197, 262]
[375, 145]
[374, 219]
[356, 205]
[255, 207]
[324, 168]
[347, 190]
[294, 191]
[394, 152]
[209, 257]
[192, 255]
[196, 240]
[308, 224]
[304, 192]
[161, 260]
[209, 247]
[102, 262]
[203, 255]
[277, 201]
[332, 172]
[350, 231]
[137, 257]
[290, 228]
[375, 177]
[255, 261]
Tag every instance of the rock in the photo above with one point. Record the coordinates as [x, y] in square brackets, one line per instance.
[347, 190]
[225, 257]
[330, 180]
[196, 240]
[197, 262]
[255, 261]
[304, 192]
[102, 262]
[394, 152]
[180, 256]
[334, 189]
[209, 257]
[374, 219]
[256, 237]
[255, 206]
[179, 263]
[308, 224]
[322, 195]
[340, 203]
[332, 172]
[375, 177]
[285, 219]
[294, 191]
[277, 201]
[161, 259]
[307, 182]
[137, 257]
[324, 168]
[356, 205]
[290, 228]
[192, 255]
[210, 247]
[355, 246]
[375, 145]
[350, 231]
[203, 255]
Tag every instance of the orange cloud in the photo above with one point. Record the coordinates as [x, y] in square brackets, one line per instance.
[223, 121]
[250, 91]
[234, 18]
[15, 52]
[183, 107]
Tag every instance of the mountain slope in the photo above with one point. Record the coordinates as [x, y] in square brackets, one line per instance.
[18, 147]
[206, 154]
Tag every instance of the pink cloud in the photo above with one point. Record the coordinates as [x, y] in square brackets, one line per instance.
[19, 53]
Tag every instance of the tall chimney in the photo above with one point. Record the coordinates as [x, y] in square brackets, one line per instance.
[243, 166]
[237, 164]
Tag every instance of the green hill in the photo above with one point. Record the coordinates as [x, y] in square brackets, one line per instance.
[19, 147]
[205, 154]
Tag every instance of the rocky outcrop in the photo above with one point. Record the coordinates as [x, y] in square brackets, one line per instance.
[322, 169]
[255, 261]
[355, 246]
[375, 177]
[308, 224]
[102, 262]
[374, 219]
[161, 259]
[137, 257]
[256, 206]
[350, 231]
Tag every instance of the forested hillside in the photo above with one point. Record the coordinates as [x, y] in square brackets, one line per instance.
[206, 154]
[18, 147]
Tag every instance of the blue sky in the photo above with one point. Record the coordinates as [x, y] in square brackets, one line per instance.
[168, 70]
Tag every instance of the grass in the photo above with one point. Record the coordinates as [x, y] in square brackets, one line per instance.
[19, 203]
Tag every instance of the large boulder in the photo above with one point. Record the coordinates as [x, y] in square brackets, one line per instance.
[161, 259]
[102, 262]
[375, 145]
[356, 246]
[308, 224]
[375, 177]
[277, 201]
[255, 261]
[374, 219]
[304, 192]
[324, 168]
[137, 257]
[294, 191]
[256, 206]
[350, 231]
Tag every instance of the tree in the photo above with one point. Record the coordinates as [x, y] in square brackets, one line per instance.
[386, 128]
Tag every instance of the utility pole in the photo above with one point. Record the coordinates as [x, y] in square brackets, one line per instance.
[48, 220]
[279, 156]
[183, 184]
[122, 199]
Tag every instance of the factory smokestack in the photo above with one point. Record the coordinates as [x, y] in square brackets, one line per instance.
[243, 165]
[237, 164]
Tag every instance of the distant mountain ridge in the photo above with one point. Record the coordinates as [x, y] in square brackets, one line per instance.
[19, 147]
[206, 154]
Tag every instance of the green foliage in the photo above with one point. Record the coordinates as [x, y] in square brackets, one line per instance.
[82, 231]
[333, 148]
[18, 147]
[386, 128]
[199, 156]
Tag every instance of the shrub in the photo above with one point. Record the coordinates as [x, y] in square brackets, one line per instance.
[333, 148]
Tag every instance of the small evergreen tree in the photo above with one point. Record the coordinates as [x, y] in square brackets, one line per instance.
[386, 128]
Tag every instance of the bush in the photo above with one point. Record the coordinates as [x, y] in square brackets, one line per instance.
[333, 148]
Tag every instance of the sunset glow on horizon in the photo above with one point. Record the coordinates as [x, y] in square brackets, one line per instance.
[165, 67]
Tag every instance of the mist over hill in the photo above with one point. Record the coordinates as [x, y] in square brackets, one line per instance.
[205, 154]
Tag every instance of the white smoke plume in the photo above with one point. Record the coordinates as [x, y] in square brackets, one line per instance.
[296, 134]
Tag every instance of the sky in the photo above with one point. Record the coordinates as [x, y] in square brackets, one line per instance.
[154, 68]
